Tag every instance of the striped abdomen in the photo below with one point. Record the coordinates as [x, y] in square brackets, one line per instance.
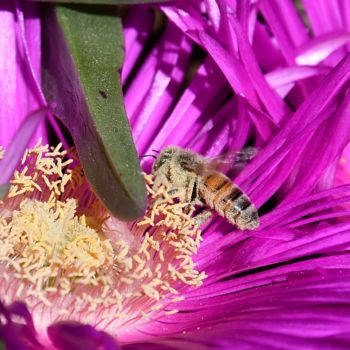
[219, 193]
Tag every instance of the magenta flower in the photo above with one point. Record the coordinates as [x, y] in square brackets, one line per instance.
[223, 75]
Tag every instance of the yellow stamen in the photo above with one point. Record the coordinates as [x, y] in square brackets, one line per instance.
[58, 240]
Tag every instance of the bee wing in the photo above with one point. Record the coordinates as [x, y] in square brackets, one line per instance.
[231, 162]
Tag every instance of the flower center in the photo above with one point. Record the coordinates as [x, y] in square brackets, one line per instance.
[64, 253]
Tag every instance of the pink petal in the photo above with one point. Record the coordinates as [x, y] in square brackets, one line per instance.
[19, 143]
[315, 51]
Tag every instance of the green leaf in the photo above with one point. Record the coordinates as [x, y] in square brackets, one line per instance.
[82, 57]
[101, 2]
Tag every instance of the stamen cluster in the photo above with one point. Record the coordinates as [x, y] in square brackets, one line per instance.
[60, 247]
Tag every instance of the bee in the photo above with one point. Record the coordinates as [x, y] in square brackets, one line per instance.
[192, 178]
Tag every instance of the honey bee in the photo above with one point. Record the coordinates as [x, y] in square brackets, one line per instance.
[193, 180]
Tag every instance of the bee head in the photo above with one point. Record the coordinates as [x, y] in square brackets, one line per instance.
[166, 155]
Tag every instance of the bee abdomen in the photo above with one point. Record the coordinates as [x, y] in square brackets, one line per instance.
[229, 201]
[215, 182]
[242, 212]
[213, 187]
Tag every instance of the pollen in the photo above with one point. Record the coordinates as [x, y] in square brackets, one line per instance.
[63, 253]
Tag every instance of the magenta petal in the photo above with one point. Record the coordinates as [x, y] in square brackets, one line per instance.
[326, 17]
[283, 80]
[286, 25]
[21, 310]
[173, 56]
[317, 50]
[29, 44]
[11, 112]
[15, 151]
[298, 310]
[306, 120]
[187, 19]
[273, 104]
[137, 28]
[185, 116]
[214, 136]
[20, 68]
[231, 67]
[15, 335]
[288, 212]
[262, 43]
[76, 336]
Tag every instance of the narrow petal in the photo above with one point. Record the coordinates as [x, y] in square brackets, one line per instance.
[315, 51]
[171, 67]
[137, 27]
[308, 118]
[283, 80]
[19, 144]
[199, 96]
[11, 112]
[76, 336]
[299, 311]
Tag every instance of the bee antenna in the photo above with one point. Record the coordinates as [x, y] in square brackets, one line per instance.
[154, 150]
[148, 155]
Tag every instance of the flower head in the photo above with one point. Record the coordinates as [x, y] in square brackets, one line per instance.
[267, 76]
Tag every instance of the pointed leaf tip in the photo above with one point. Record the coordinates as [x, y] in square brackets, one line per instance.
[83, 57]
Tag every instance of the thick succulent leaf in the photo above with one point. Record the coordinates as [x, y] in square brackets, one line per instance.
[82, 61]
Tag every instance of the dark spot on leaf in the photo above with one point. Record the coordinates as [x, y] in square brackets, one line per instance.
[103, 93]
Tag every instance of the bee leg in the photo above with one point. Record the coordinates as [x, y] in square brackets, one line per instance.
[174, 192]
[192, 192]
[160, 180]
[164, 199]
[202, 217]
[189, 209]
